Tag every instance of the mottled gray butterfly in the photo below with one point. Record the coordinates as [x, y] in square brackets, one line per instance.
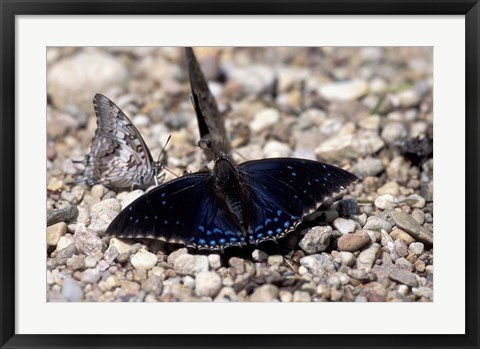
[210, 120]
[119, 157]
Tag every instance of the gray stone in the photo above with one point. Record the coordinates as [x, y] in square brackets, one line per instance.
[347, 258]
[416, 248]
[419, 216]
[90, 261]
[415, 201]
[344, 90]
[238, 264]
[275, 149]
[401, 247]
[403, 276]
[423, 292]
[316, 240]
[265, 293]
[353, 242]
[344, 226]
[214, 261]
[275, 259]
[91, 276]
[76, 78]
[254, 79]
[131, 197]
[349, 146]
[377, 223]
[368, 167]
[76, 262]
[175, 254]
[403, 263]
[87, 241]
[62, 215]
[410, 225]
[71, 290]
[121, 245]
[264, 119]
[66, 252]
[187, 264]
[207, 284]
[75, 196]
[102, 207]
[153, 284]
[143, 260]
[301, 296]
[366, 258]
[318, 264]
[259, 255]
[110, 254]
[385, 202]
[394, 132]
[391, 188]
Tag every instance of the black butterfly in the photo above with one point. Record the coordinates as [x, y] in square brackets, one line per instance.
[231, 205]
[210, 120]
[119, 157]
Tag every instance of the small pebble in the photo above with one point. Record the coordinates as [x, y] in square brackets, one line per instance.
[344, 226]
[275, 259]
[259, 255]
[354, 241]
[71, 290]
[238, 264]
[348, 258]
[91, 276]
[265, 293]
[143, 260]
[410, 225]
[207, 284]
[214, 261]
[403, 276]
[187, 264]
[389, 188]
[316, 240]
[264, 119]
[366, 258]
[377, 224]
[55, 232]
[416, 248]
[385, 202]
[301, 296]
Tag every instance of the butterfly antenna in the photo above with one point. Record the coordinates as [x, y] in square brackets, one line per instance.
[236, 152]
[163, 149]
[173, 173]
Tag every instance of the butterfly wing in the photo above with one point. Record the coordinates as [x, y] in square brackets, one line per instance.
[119, 156]
[210, 121]
[185, 210]
[284, 190]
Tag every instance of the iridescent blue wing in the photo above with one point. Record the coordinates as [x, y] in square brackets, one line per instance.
[284, 190]
[186, 210]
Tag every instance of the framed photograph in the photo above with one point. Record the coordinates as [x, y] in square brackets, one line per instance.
[292, 174]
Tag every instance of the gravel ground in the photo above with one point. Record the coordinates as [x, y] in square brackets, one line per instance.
[368, 110]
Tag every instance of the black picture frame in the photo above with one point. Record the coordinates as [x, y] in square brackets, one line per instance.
[9, 9]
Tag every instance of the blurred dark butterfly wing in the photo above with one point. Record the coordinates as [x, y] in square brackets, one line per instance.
[118, 157]
[284, 190]
[184, 210]
[210, 121]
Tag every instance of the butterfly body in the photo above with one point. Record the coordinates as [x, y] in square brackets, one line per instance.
[119, 157]
[231, 205]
